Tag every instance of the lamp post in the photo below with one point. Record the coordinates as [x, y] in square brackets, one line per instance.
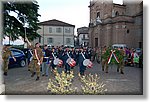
[25, 44]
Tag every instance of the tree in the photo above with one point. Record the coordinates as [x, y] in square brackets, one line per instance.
[27, 13]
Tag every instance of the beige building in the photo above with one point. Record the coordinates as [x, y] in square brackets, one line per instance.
[115, 23]
[56, 33]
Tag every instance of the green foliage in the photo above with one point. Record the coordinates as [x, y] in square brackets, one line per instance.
[118, 53]
[14, 27]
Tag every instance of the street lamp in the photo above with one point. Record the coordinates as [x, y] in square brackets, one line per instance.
[25, 32]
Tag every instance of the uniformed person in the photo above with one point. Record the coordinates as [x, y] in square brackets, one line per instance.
[54, 55]
[60, 53]
[37, 59]
[72, 54]
[5, 56]
[82, 57]
[65, 57]
[98, 55]
[104, 61]
[89, 52]
[121, 61]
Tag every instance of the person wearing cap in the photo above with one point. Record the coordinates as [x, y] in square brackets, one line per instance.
[65, 58]
[82, 57]
[60, 53]
[54, 55]
[5, 56]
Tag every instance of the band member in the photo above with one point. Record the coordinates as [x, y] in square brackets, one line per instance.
[54, 56]
[89, 52]
[37, 59]
[72, 54]
[82, 57]
[60, 53]
[45, 64]
[65, 58]
[5, 56]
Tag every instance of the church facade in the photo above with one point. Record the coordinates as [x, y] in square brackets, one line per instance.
[116, 23]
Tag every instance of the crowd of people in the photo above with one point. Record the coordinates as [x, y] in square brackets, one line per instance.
[68, 58]
[47, 58]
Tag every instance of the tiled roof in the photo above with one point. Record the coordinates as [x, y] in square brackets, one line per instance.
[55, 22]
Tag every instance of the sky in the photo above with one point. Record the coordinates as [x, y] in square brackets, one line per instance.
[75, 12]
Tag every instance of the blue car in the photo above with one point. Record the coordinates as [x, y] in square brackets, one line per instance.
[20, 58]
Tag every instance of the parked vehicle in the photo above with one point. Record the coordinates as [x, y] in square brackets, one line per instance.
[119, 46]
[20, 58]
[138, 51]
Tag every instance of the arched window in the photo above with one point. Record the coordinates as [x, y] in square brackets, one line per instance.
[98, 14]
[117, 13]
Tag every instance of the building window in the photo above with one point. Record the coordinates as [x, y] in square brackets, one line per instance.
[83, 36]
[128, 31]
[49, 40]
[117, 13]
[96, 42]
[58, 30]
[67, 30]
[50, 29]
[98, 14]
[68, 40]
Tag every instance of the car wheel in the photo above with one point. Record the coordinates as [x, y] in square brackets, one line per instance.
[22, 63]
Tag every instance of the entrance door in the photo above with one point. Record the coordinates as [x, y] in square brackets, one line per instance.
[96, 42]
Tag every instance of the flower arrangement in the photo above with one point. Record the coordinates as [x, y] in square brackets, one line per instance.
[61, 84]
[91, 85]
[117, 54]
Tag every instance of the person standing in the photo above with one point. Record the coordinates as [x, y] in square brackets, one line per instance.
[45, 64]
[37, 59]
[82, 57]
[93, 54]
[60, 54]
[6, 53]
[104, 61]
[54, 56]
[135, 58]
[65, 57]
[121, 62]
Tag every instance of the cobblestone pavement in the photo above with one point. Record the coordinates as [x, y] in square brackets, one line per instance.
[19, 81]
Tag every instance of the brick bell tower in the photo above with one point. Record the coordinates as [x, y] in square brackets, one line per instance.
[99, 11]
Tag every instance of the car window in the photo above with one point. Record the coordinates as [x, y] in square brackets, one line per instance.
[16, 52]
